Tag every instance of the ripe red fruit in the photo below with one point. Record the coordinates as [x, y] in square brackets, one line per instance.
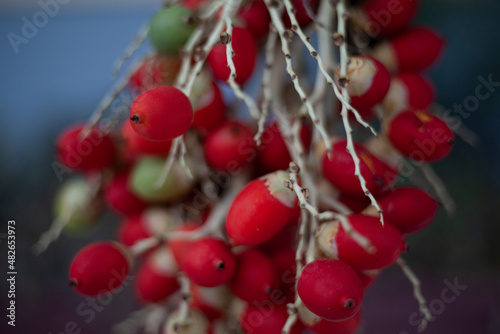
[120, 198]
[263, 321]
[209, 262]
[99, 268]
[409, 209]
[245, 50]
[227, 147]
[209, 109]
[355, 203]
[157, 277]
[256, 19]
[180, 246]
[95, 152]
[330, 289]
[412, 50]
[383, 17]
[386, 241]
[255, 277]
[273, 152]
[132, 230]
[369, 81]
[348, 326]
[408, 90]
[420, 136]
[161, 113]
[137, 145]
[340, 170]
[260, 210]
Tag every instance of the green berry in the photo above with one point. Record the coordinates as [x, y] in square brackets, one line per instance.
[170, 29]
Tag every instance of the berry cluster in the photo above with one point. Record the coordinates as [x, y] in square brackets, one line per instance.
[268, 221]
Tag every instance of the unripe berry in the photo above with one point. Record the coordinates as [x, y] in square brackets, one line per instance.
[135, 145]
[208, 105]
[157, 277]
[321, 326]
[255, 277]
[119, 197]
[330, 289]
[412, 50]
[263, 321]
[95, 152]
[384, 17]
[369, 81]
[340, 170]
[420, 136]
[409, 209]
[99, 268]
[386, 242]
[245, 50]
[209, 262]
[196, 323]
[161, 113]
[260, 210]
[408, 90]
[170, 29]
[226, 148]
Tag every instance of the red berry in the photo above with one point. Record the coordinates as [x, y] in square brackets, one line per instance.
[209, 262]
[180, 246]
[330, 289]
[95, 152]
[355, 203]
[157, 277]
[260, 210]
[227, 147]
[408, 90]
[267, 321]
[137, 145]
[256, 18]
[161, 113]
[255, 277]
[420, 136]
[120, 198]
[348, 326]
[245, 50]
[340, 170]
[385, 17]
[132, 230]
[386, 240]
[209, 109]
[99, 268]
[409, 209]
[369, 81]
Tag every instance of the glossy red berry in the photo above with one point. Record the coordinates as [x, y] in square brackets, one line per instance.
[256, 19]
[209, 262]
[267, 321]
[339, 170]
[95, 152]
[330, 289]
[245, 50]
[180, 246]
[161, 113]
[136, 145]
[157, 277]
[99, 268]
[227, 148]
[119, 197]
[412, 50]
[409, 209]
[255, 277]
[260, 210]
[386, 241]
[420, 136]
[369, 81]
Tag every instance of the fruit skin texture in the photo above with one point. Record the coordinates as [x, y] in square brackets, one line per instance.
[409, 209]
[99, 268]
[340, 170]
[209, 262]
[386, 240]
[256, 320]
[161, 113]
[348, 326]
[330, 289]
[136, 145]
[387, 18]
[245, 50]
[169, 29]
[225, 148]
[420, 136]
[260, 210]
[119, 197]
[96, 152]
[255, 277]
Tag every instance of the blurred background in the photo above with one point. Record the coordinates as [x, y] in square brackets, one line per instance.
[58, 76]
